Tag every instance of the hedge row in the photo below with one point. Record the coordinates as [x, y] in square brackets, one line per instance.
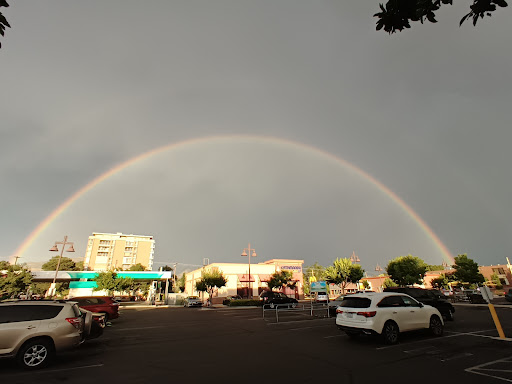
[245, 303]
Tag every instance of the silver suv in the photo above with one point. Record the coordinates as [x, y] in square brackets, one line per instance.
[33, 331]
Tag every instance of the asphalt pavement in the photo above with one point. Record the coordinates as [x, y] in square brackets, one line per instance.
[229, 345]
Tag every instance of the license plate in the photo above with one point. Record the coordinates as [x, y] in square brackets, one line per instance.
[349, 315]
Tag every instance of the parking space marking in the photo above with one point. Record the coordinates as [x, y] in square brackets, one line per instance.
[459, 356]
[54, 370]
[420, 349]
[419, 341]
[297, 321]
[136, 329]
[329, 337]
[480, 367]
[315, 326]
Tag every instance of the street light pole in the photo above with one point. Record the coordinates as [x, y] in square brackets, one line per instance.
[56, 249]
[247, 252]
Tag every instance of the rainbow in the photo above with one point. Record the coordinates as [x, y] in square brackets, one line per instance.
[262, 139]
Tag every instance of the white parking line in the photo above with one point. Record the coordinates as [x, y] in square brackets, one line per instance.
[298, 321]
[480, 368]
[54, 370]
[328, 337]
[136, 329]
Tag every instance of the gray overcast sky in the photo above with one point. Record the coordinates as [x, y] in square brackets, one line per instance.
[87, 85]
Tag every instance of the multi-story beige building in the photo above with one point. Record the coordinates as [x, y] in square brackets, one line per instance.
[108, 251]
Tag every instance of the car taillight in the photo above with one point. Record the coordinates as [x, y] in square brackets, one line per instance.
[367, 314]
[339, 310]
[75, 321]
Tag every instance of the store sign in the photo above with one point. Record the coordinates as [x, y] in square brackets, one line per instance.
[294, 268]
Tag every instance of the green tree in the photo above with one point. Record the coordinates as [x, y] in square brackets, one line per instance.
[66, 264]
[180, 284]
[137, 267]
[3, 20]
[281, 279]
[167, 268]
[110, 282]
[443, 281]
[343, 272]
[366, 284]
[316, 271]
[79, 266]
[388, 283]
[210, 282]
[4, 265]
[466, 270]
[15, 281]
[406, 270]
[434, 267]
[495, 280]
[397, 15]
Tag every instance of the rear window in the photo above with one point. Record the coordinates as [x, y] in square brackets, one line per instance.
[17, 313]
[356, 302]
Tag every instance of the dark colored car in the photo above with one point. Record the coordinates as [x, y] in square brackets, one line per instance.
[428, 297]
[277, 298]
[100, 304]
[508, 296]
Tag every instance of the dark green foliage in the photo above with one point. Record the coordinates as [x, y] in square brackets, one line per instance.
[317, 271]
[388, 283]
[466, 270]
[180, 284]
[3, 20]
[245, 303]
[397, 15]
[343, 272]
[66, 264]
[442, 281]
[16, 281]
[406, 270]
[108, 281]
[137, 267]
[210, 282]
[281, 279]
[435, 267]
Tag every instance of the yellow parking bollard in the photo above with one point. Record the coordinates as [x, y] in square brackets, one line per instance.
[496, 321]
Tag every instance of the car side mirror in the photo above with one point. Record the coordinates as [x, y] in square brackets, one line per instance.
[420, 305]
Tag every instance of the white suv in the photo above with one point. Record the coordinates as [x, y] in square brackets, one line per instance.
[33, 331]
[386, 314]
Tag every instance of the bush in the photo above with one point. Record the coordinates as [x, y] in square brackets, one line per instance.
[245, 303]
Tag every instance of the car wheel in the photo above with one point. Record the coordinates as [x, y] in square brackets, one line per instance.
[390, 332]
[436, 326]
[35, 354]
[106, 316]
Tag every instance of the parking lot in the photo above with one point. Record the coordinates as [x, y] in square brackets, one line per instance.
[236, 344]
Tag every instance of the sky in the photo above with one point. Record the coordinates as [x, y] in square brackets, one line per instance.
[292, 125]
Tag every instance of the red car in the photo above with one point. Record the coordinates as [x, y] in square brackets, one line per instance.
[101, 304]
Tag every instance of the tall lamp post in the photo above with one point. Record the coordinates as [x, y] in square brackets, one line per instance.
[247, 252]
[55, 248]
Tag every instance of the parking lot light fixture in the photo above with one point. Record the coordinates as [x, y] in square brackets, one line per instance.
[247, 252]
[55, 248]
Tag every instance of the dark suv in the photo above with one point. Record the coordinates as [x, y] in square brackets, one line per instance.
[428, 297]
[277, 298]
